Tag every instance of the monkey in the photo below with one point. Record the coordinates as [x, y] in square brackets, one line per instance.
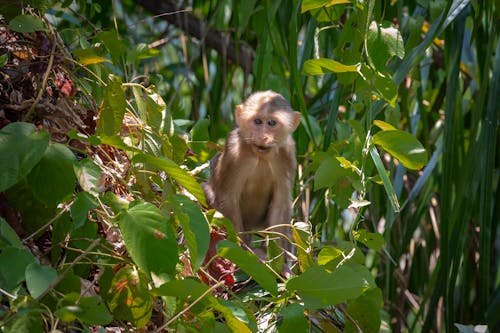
[251, 180]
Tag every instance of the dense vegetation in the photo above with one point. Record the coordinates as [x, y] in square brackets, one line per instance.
[110, 111]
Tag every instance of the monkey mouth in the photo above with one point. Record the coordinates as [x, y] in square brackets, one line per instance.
[263, 149]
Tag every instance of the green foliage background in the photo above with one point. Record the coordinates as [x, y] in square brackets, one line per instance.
[396, 204]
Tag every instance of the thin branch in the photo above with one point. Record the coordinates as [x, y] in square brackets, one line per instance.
[238, 53]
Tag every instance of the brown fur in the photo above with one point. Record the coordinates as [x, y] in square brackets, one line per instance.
[251, 180]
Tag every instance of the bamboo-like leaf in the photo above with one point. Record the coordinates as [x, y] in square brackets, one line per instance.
[327, 66]
[393, 199]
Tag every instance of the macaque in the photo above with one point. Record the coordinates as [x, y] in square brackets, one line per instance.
[252, 178]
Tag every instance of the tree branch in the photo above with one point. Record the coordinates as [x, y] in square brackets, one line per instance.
[235, 52]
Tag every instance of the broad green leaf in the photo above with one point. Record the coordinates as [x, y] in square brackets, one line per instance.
[365, 310]
[39, 278]
[327, 66]
[403, 146]
[53, 178]
[329, 288]
[174, 171]
[27, 24]
[187, 289]
[149, 238]
[195, 228]
[13, 263]
[139, 52]
[89, 56]
[314, 4]
[234, 323]
[131, 300]
[113, 107]
[21, 148]
[26, 320]
[89, 310]
[8, 236]
[389, 189]
[117, 142]
[250, 264]
[294, 319]
[330, 174]
[373, 240]
[88, 174]
[84, 202]
[384, 41]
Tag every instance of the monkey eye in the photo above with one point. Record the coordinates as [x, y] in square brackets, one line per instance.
[272, 122]
[257, 121]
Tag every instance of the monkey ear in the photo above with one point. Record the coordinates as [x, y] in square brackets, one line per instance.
[296, 119]
[238, 115]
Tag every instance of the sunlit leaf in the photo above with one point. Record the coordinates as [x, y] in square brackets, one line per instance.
[403, 146]
[89, 56]
[314, 4]
[88, 174]
[130, 299]
[327, 66]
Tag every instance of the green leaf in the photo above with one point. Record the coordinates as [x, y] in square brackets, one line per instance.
[187, 289]
[250, 264]
[365, 310]
[53, 178]
[26, 320]
[149, 238]
[327, 254]
[131, 300]
[3, 59]
[294, 319]
[39, 278]
[89, 310]
[330, 288]
[88, 174]
[84, 202]
[195, 228]
[403, 146]
[174, 171]
[314, 4]
[27, 24]
[384, 41]
[384, 125]
[21, 148]
[373, 240]
[13, 263]
[113, 107]
[89, 56]
[114, 44]
[330, 174]
[8, 236]
[327, 66]
[387, 89]
[389, 189]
